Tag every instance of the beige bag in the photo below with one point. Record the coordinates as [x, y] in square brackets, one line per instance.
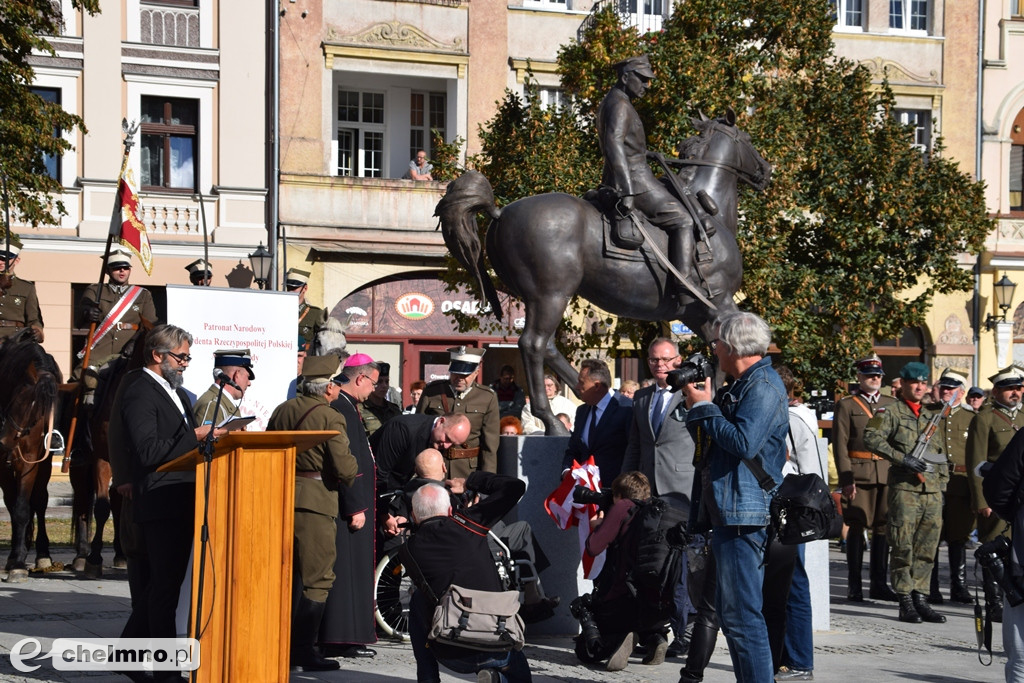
[478, 620]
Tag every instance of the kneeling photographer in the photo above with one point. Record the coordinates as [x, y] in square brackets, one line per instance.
[633, 594]
[1003, 486]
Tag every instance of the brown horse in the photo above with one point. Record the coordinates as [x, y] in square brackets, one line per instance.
[29, 379]
[93, 499]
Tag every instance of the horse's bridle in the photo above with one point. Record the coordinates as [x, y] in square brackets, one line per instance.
[754, 180]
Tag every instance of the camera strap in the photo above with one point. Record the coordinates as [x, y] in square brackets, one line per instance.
[982, 628]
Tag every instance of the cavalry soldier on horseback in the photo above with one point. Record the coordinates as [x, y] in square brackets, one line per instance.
[311, 318]
[624, 148]
[118, 310]
[19, 305]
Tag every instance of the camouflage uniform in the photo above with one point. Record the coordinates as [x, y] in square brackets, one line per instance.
[480, 404]
[989, 433]
[915, 501]
[19, 307]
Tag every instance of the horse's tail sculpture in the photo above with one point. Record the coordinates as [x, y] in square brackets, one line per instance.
[466, 196]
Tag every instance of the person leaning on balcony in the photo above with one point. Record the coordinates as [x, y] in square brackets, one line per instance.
[420, 168]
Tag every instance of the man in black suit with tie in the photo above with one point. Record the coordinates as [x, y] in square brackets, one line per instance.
[661, 447]
[601, 427]
[157, 426]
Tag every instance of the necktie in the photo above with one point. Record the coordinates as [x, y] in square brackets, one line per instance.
[658, 412]
[591, 423]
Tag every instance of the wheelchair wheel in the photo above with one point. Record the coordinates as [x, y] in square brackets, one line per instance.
[392, 586]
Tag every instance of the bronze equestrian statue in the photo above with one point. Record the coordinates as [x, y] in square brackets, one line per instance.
[549, 247]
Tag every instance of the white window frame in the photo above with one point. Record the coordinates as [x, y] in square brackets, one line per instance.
[133, 13]
[906, 7]
[552, 98]
[364, 131]
[551, 5]
[426, 128]
[139, 86]
[67, 84]
[923, 129]
[841, 8]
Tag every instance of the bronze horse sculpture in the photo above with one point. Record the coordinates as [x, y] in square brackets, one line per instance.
[549, 247]
[29, 382]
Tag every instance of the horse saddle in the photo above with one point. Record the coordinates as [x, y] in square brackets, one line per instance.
[623, 233]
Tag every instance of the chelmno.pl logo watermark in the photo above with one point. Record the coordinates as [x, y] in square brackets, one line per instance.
[108, 654]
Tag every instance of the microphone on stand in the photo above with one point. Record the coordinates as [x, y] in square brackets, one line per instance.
[222, 378]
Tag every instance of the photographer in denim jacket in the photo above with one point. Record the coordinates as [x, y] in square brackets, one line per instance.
[1003, 486]
[748, 421]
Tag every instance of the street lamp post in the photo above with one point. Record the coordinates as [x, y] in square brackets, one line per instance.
[1004, 290]
[261, 262]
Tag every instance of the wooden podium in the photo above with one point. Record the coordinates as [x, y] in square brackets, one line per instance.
[245, 619]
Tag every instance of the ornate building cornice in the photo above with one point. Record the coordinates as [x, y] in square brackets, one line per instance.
[395, 34]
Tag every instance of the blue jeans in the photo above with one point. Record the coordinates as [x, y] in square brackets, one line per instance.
[738, 552]
[799, 643]
[1013, 641]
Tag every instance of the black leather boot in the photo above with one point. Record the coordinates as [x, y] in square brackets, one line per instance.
[925, 611]
[854, 563]
[993, 598]
[907, 611]
[880, 570]
[958, 591]
[934, 594]
[306, 617]
[702, 646]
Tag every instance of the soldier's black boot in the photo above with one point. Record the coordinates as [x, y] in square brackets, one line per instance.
[993, 597]
[702, 646]
[958, 591]
[934, 594]
[306, 618]
[907, 611]
[880, 570]
[925, 611]
[854, 563]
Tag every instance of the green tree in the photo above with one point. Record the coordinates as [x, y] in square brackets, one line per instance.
[856, 217]
[27, 121]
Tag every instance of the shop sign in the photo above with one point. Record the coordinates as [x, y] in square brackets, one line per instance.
[415, 306]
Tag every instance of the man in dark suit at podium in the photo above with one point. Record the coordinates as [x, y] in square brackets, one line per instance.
[601, 427]
[157, 426]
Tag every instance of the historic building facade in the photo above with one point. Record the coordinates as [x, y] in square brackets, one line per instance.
[192, 73]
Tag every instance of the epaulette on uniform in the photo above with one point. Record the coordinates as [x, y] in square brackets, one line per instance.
[484, 386]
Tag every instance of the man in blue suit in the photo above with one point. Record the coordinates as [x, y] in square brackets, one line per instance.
[602, 423]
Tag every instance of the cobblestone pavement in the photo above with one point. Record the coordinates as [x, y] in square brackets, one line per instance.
[866, 641]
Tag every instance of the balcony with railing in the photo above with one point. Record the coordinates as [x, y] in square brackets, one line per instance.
[644, 15]
[169, 25]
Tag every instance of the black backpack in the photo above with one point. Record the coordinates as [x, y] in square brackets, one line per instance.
[653, 553]
[803, 510]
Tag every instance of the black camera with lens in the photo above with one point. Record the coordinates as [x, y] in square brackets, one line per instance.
[994, 557]
[588, 642]
[602, 499]
[694, 370]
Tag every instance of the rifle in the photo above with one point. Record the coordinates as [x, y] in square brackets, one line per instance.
[922, 457]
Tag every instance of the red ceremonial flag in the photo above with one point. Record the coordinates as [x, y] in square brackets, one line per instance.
[126, 223]
[566, 513]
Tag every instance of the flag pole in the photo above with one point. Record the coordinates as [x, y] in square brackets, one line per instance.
[129, 131]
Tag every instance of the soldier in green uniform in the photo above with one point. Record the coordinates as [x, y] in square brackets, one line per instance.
[862, 479]
[377, 409]
[915, 493]
[461, 394]
[957, 514]
[319, 472]
[118, 310]
[19, 305]
[311, 318]
[200, 274]
[990, 431]
[236, 364]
